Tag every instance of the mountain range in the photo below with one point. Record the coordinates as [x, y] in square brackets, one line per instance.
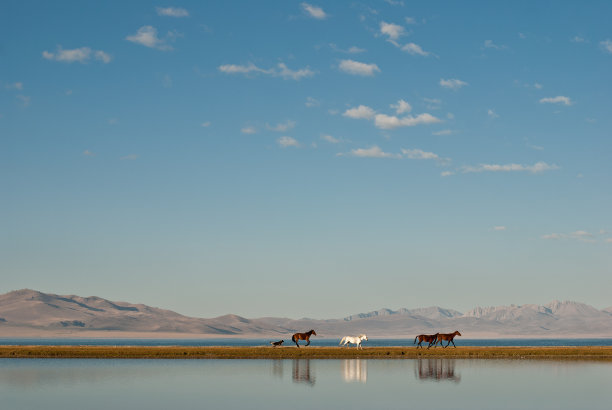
[29, 313]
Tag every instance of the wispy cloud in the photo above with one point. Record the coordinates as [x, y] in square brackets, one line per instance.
[360, 112]
[433, 103]
[130, 157]
[314, 11]
[330, 139]
[534, 169]
[205, 124]
[420, 154]
[442, 132]
[491, 113]
[248, 130]
[560, 99]
[147, 36]
[372, 152]
[415, 49]
[358, 68]
[288, 142]
[312, 102]
[578, 39]
[24, 100]
[392, 31]
[172, 12]
[14, 86]
[452, 83]
[387, 122]
[281, 70]
[401, 107]
[88, 153]
[606, 46]
[281, 127]
[580, 235]
[350, 50]
[499, 228]
[491, 44]
[81, 55]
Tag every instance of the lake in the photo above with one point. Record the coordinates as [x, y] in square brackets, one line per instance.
[56, 384]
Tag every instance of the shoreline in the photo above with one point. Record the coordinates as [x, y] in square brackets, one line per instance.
[583, 353]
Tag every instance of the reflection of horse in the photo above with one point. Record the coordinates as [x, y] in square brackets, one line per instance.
[302, 372]
[431, 339]
[437, 370]
[353, 340]
[448, 337]
[303, 336]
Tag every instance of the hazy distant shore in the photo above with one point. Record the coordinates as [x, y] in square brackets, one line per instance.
[291, 352]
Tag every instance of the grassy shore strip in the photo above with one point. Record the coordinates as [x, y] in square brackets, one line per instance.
[220, 352]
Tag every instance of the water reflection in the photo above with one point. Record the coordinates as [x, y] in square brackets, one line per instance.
[437, 370]
[355, 370]
[302, 373]
[277, 368]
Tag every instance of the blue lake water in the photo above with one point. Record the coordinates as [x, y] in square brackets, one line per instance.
[56, 384]
[314, 342]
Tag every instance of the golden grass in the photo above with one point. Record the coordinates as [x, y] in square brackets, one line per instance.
[221, 352]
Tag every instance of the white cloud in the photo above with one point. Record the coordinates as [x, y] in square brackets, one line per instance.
[372, 152]
[432, 103]
[88, 153]
[401, 107]
[282, 127]
[361, 112]
[312, 102]
[420, 154]
[82, 55]
[248, 130]
[446, 173]
[129, 157]
[556, 100]
[387, 122]
[393, 31]
[410, 20]
[294, 75]
[606, 45]
[452, 83]
[581, 235]
[415, 49]
[283, 71]
[172, 12]
[538, 86]
[355, 50]
[314, 11]
[491, 44]
[147, 36]
[17, 86]
[206, 124]
[499, 228]
[578, 39]
[24, 100]
[534, 169]
[330, 139]
[492, 114]
[442, 132]
[358, 68]
[287, 142]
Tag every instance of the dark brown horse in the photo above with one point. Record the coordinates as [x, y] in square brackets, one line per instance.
[448, 337]
[431, 339]
[303, 336]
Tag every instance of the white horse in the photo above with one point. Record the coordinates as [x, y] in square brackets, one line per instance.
[354, 340]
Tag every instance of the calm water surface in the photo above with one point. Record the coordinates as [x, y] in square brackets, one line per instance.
[303, 384]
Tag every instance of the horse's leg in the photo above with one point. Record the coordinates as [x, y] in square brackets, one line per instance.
[296, 342]
[307, 341]
[453, 343]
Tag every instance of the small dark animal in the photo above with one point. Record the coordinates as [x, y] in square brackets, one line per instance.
[303, 336]
[280, 342]
[448, 337]
[431, 339]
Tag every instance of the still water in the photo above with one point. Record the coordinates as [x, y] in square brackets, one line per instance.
[303, 384]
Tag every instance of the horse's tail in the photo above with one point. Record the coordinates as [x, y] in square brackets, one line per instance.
[293, 338]
[415, 339]
[342, 341]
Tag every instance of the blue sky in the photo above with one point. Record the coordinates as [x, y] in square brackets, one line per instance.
[307, 159]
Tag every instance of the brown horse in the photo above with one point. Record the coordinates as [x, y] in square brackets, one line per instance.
[448, 337]
[431, 339]
[303, 336]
